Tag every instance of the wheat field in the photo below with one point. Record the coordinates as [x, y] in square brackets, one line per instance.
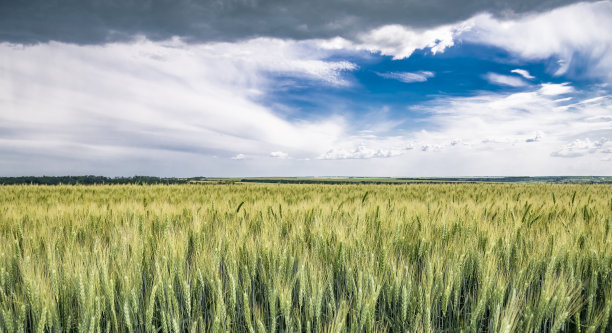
[306, 258]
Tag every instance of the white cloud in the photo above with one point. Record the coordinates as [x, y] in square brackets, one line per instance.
[531, 128]
[580, 147]
[279, 154]
[505, 80]
[408, 77]
[536, 138]
[553, 89]
[304, 59]
[146, 100]
[518, 133]
[159, 105]
[523, 73]
[371, 143]
[359, 152]
[432, 147]
[573, 34]
[576, 31]
[399, 41]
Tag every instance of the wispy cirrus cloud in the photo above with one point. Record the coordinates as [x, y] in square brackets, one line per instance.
[523, 73]
[407, 77]
[505, 80]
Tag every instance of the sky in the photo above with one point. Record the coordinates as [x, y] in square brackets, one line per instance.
[244, 88]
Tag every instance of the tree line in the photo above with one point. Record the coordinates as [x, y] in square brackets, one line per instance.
[89, 180]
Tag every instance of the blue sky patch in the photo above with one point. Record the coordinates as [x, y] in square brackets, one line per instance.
[460, 71]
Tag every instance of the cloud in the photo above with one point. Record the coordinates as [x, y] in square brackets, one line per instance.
[267, 55]
[156, 105]
[504, 80]
[239, 157]
[523, 73]
[581, 147]
[575, 34]
[360, 152]
[400, 42]
[513, 125]
[279, 154]
[126, 103]
[536, 138]
[553, 89]
[432, 147]
[408, 77]
[507, 129]
[102, 21]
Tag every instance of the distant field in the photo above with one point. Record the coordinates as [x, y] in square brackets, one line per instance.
[287, 257]
[146, 180]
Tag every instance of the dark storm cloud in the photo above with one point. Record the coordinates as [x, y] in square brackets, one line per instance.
[97, 21]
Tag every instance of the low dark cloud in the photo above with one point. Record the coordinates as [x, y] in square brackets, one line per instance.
[99, 21]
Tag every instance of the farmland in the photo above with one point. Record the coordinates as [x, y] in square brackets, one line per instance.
[296, 257]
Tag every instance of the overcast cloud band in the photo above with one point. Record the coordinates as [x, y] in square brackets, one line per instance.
[99, 21]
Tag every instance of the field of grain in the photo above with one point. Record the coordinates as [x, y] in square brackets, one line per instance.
[306, 258]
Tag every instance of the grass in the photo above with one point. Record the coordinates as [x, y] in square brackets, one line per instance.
[275, 258]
